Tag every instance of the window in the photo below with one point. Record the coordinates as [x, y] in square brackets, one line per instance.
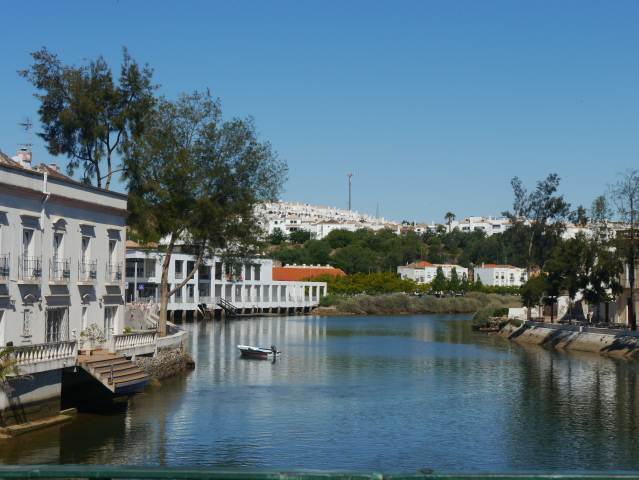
[257, 271]
[190, 291]
[1, 328]
[179, 266]
[85, 253]
[57, 324]
[26, 322]
[110, 314]
[85, 318]
[113, 251]
[247, 271]
[218, 270]
[27, 242]
[58, 252]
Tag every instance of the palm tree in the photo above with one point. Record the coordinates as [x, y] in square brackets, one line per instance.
[8, 365]
[449, 217]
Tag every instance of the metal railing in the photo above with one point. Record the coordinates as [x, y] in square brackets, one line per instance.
[107, 472]
[5, 269]
[88, 271]
[30, 268]
[113, 273]
[60, 270]
[42, 352]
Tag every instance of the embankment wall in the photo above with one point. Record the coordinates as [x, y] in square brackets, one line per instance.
[616, 344]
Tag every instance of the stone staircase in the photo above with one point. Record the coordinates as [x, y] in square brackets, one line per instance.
[115, 372]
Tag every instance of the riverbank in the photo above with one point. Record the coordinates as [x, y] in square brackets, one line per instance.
[402, 304]
[621, 344]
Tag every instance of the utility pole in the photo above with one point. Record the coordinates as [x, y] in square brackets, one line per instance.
[350, 182]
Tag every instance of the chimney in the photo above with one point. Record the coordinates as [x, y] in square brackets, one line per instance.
[23, 157]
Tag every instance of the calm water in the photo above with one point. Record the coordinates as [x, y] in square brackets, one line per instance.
[377, 393]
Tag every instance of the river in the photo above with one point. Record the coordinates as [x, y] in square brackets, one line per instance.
[376, 393]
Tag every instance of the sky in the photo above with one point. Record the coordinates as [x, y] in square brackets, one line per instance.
[432, 105]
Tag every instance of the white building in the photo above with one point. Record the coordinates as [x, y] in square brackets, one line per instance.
[492, 274]
[318, 220]
[425, 272]
[247, 288]
[488, 225]
[62, 251]
[61, 255]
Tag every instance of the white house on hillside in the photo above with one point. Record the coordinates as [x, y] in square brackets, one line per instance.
[425, 272]
[491, 274]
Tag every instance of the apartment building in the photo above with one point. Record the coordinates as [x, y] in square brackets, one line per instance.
[61, 255]
[425, 272]
[500, 275]
[217, 285]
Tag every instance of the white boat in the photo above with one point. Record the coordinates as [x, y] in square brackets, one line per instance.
[257, 352]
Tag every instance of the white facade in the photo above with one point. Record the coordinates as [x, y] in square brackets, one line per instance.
[246, 286]
[61, 256]
[318, 220]
[425, 272]
[500, 275]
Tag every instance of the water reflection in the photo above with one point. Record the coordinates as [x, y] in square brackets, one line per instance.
[379, 393]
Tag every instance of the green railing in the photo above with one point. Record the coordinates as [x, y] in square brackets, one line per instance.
[108, 472]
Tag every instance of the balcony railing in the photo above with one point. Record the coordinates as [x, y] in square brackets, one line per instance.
[60, 270]
[43, 352]
[30, 268]
[113, 273]
[4, 266]
[132, 340]
[88, 271]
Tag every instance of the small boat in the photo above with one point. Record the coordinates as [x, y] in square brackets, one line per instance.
[257, 352]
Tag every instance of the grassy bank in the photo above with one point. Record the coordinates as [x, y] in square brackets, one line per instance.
[401, 304]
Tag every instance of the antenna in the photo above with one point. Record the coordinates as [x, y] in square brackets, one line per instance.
[350, 176]
[27, 125]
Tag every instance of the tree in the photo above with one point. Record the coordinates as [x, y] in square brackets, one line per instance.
[580, 216]
[454, 284]
[277, 237]
[194, 180]
[538, 217]
[532, 292]
[299, 236]
[439, 283]
[87, 115]
[625, 195]
[449, 217]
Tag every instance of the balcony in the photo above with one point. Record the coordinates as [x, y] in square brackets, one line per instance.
[113, 273]
[4, 267]
[44, 356]
[60, 270]
[30, 269]
[88, 271]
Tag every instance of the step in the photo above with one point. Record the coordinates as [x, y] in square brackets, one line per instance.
[130, 378]
[116, 368]
[121, 373]
[107, 362]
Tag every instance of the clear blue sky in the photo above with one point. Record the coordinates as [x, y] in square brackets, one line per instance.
[434, 105]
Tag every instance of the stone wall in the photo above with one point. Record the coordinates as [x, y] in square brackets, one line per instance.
[167, 363]
[617, 344]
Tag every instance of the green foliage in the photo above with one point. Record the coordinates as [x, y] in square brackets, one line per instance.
[439, 283]
[8, 366]
[87, 115]
[373, 284]
[299, 236]
[93, 334]
[400, 303]
[277, 237]
[195, 178]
